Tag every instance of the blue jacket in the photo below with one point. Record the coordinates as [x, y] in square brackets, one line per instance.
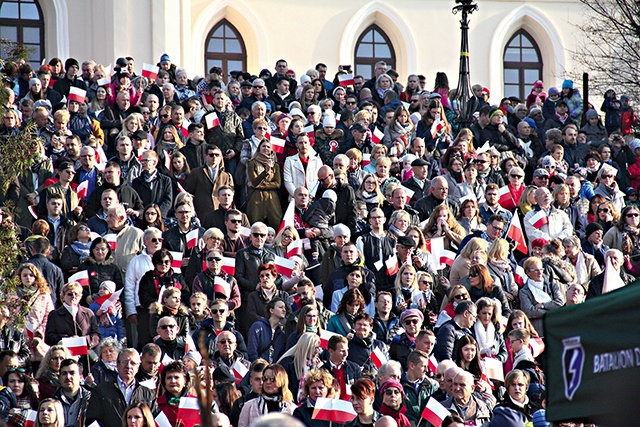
[260, 339]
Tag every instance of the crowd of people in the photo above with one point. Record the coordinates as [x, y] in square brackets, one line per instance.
[301, 238]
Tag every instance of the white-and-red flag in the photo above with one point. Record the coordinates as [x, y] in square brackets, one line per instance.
[108, 300]
[244, 231]
[377, 135]
[447, 257]
[436, 127]
[333, 410]
[192, 238]
[112, 240]
[30, 330]
[105, 81]
[435, 246]
[346, 80]
[378, 358]
[284, 266]
[81, 277]
[310, 130]
[289, 216]
[211, 120]
[392, 265]
[366, 159]
[229, 265]
[434, 412]
[433, 364]
[493, 368]
[190, 345]
[539, 219]
[239, 370]
[325, 336]
[520, 276]
[221, 286]
[277, 144]
[77, 346]
[295, 248]
[181, 188]
[83, 190]
[506, 199]
[76, 94]
[162, 420]
[188, 411]
[409, 192]
[515, 233]
[165, 361]
[150, 71]
[176, 264]
[30, 418]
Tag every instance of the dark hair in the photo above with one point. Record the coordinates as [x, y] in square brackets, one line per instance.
[449, 419]
[335, 340]
[158, 223]
[474, 364]
[5, 353]
[463, 306]
[96, 242]
[41, 246]
[363, 316]
[271, 305]
[227, 395]
[151, 349]
[28, 381]
[158, 255]
[175, 366]
[352, 296]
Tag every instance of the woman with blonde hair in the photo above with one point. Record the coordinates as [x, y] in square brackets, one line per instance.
[461, 264]
[377, 152]
[406, 285]
[318, 383]
[501, 269]
[442, 223]
[275, 396]
[401, 127]
[50, 414]
[457, 293]
[370, 193]
[35, 293]
[301, 358]
[283, 239]
[483, 285]
[48, 374]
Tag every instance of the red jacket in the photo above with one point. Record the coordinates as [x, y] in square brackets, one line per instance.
[628, 119]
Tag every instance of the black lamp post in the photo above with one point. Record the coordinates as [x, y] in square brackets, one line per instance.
[463, 92]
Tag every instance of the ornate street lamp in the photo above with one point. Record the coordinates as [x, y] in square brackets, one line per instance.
[463, 92]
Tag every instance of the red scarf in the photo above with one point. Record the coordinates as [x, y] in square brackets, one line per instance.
[399, 415]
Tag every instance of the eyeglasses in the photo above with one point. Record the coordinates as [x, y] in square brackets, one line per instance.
[632, 215]
[167, 326]
[259, 235]
[73, 294]
[266, 378]
[157, 240]
[226, 342]
[460, 296]
[165, 262]
[214, 258]
[21, 370]
[183, 212]
[411, 321]
[323, 179]
[351, 103]
[536, 270]
[426, 282]
[391, 392]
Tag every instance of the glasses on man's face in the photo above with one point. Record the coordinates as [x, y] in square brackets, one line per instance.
[214, 258]
[157, 240]
[214, 154]
[260, 235]
[226, 342]
[164, 116]
[516, 176]
[183, 212]
[218, 311]
[167, 326]
[235, 221]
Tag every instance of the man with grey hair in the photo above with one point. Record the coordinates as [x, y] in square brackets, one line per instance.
[88, 170]
[556, 224]
[389, 370]
[314, 114]
[139, 265]
[464, 403]
[110, 399]
[260, 93]
[247, 262]
[613, 271]
[332, 258]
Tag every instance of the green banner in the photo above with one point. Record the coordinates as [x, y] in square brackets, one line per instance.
[592, 359]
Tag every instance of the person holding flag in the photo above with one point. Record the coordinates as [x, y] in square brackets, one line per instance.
[228, 134]
[363, 393]
[108, 313]
[88, 171]
[317, 383]
[215, 283]
[176, 383]
[212, 327]
[161, 276]
[71, 319]
[546, 221]
[364, 343]
[185, 236]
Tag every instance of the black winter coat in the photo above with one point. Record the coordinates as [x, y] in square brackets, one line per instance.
[107, 403]
[98, 273]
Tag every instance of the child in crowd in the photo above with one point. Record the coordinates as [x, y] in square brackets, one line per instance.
[109, 320]
[198, 310]
[170, 306]
[549, 105]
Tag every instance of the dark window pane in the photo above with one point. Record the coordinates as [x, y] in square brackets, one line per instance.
[522, 64]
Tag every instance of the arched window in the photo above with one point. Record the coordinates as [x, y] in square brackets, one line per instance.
[21, 22]
[522, 65]
[225, 48]
[373, 46]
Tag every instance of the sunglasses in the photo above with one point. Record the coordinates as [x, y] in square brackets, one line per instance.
[214, 258]
[632, 215]
[214, 154]
[266, 378]
[391, 392]
[481, 161]
[167, 326]
[460, 296]
[603, 210]
[411, 321]
[351, 103]
[157, 240]
[261, 128]
[516, 176]
[164, 262]
[235, 221]
[258, 235]
[226, 342]
[21, 370]
[217, 311]
[164, 116]
[84, 229]
[608, 176]
[473, 274]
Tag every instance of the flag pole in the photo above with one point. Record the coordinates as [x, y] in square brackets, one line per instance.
[419, 421]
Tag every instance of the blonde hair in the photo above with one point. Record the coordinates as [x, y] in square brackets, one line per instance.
[499, 249]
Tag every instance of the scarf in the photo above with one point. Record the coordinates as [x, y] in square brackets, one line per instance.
[398, 415]
[537, 289]
[486, 337]
[629, 240]
[72, 310]
[581, 268]
[168, 280]
[271, 403]
[261, 162]
[369, 197]
[457, 176]
[81, 249]
[111, 366]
